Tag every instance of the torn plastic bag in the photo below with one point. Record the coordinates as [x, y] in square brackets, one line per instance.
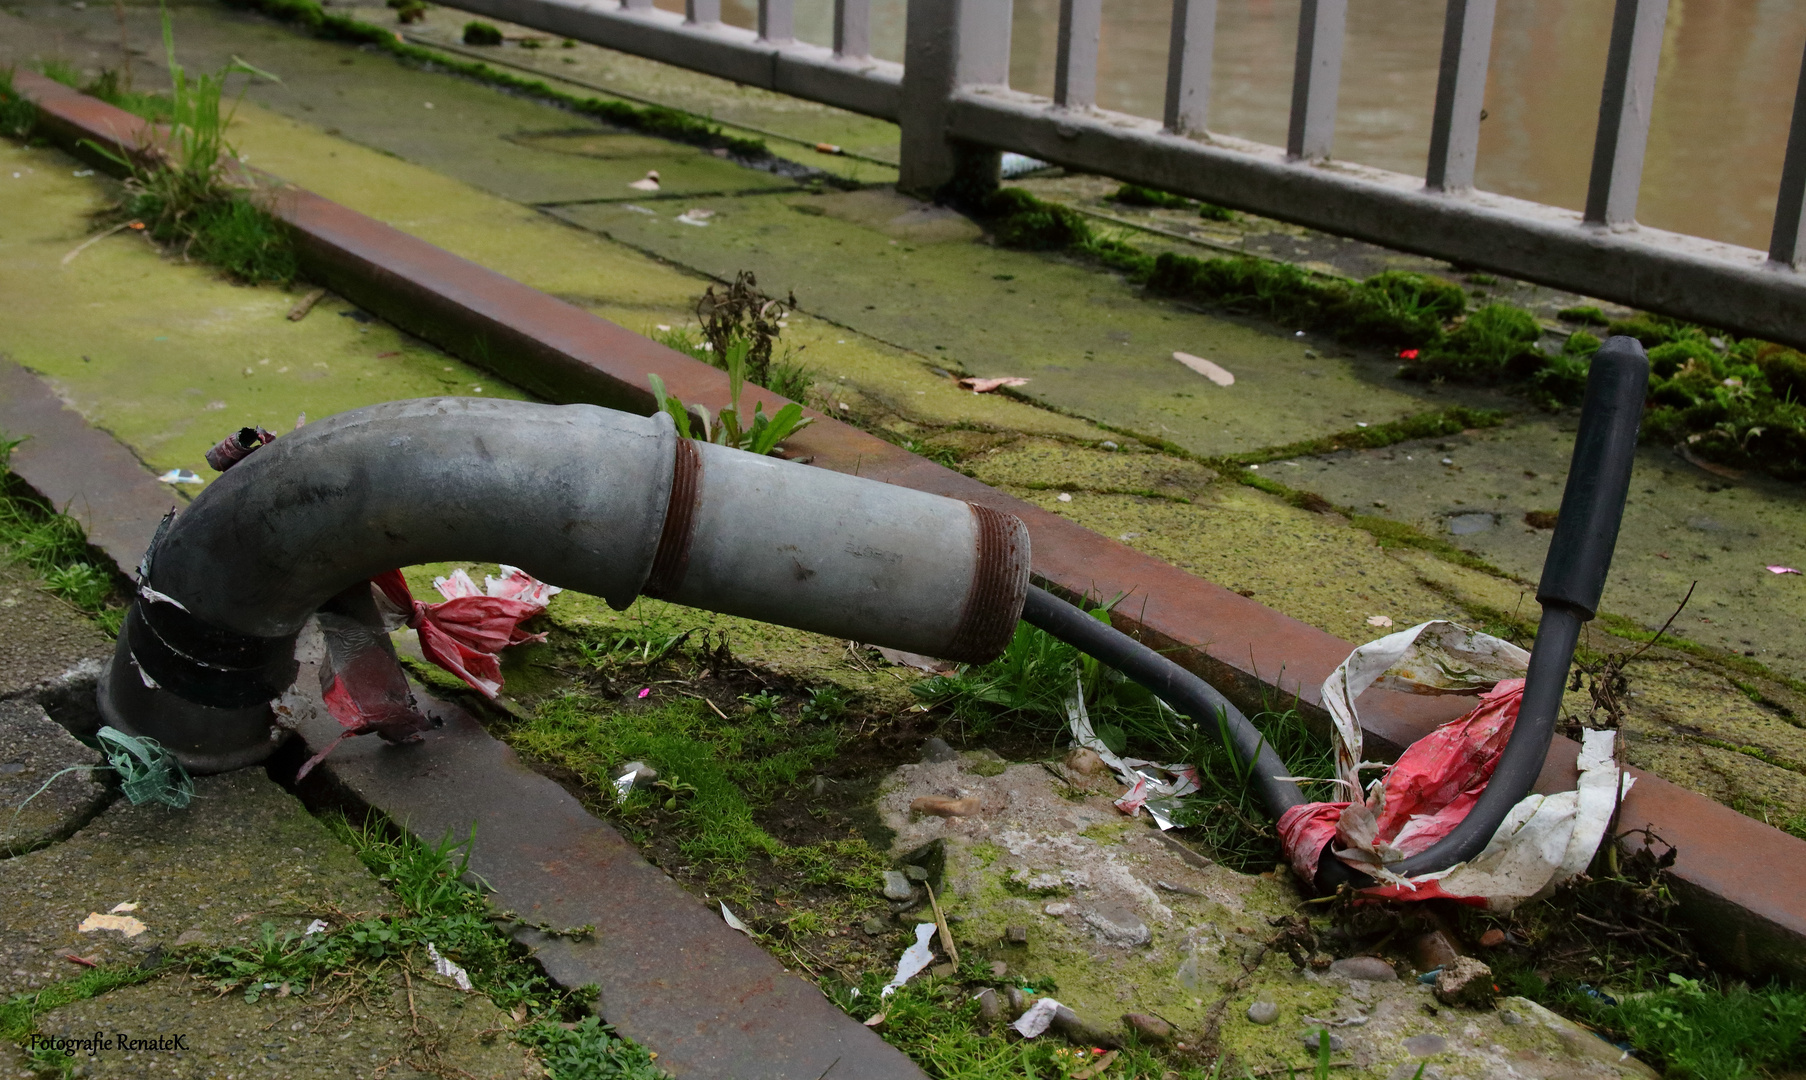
[1156, 788]
[465, 634]
[1433, 785]
[361, 681]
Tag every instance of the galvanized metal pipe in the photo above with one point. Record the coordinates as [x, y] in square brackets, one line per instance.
[1316, 79]
[1631, 60]
[1787, 245]
[1075, 59]
[852, 29]
[1460, 95]
[1188, 64]
[600, 501]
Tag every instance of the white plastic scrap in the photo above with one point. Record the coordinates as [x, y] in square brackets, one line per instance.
[1037, 1019]
[447, 968]
[1544, 839]
[623, 785]
[180, 476]
[1158, 788]
[734, 922]
[1210, 369]
[1013, 165]
[318, 926]
[914, 958]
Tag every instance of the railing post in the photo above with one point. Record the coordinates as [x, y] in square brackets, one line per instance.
[1188, 63]
[948, 44]
[1460, 95]
[1788, 246]
[702, 12]
[1316, 79]
[1075, 62]
[1630, 77]
[853, 29]
[777, 21]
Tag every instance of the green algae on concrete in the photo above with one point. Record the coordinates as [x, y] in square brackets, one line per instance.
[169, 357]
[1118, 922]
[244, 852]
[1681, 525]
[733, 104]
[1087, 340]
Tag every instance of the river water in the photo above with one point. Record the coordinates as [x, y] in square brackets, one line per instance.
[1723, 99]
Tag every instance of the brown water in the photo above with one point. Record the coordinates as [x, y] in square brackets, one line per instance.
[1723, 99]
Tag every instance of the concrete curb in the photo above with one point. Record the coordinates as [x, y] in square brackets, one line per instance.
[1744, 883]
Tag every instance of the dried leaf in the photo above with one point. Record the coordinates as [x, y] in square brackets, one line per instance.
[125, 924]
[946, 806]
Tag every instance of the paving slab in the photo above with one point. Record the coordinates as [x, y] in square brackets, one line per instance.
[243, 853]
[47, 648]
[37, 806]
[416, 1029]
[1681, 525]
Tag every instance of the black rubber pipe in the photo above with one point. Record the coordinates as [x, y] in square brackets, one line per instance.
[1580, 554]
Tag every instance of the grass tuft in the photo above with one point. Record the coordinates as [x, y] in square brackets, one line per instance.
[18, 115]
[54, 546]
[1026, 689]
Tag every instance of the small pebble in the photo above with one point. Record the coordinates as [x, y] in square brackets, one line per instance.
[990, 1007]
[999, 969]
[936, 750]
[1263, 1012]
[897, 886]
[915, 873]
[1016, 935]
[1493, 938]
[1364, 969]
[875, 927]
[943, 971]
[1425, 1045]
[1313, 1041]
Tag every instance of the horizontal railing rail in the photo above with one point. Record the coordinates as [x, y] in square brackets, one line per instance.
[956, 109]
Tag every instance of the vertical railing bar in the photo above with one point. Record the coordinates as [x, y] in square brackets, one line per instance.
[1460, 95]
[1788, 245]
[702, 12]
[1316, 79]
[777, 21]
[1624, 107]
[1188, 65]
[1075, 61]
[853, 29]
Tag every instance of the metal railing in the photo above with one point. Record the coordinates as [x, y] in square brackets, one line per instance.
[956, 109]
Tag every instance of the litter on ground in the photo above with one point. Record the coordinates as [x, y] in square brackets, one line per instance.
[1216, 373]
[914, 958]
[124, 924]
[985, 386]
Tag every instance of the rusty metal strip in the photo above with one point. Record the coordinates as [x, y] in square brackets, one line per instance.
[672, 559]
[999, 584]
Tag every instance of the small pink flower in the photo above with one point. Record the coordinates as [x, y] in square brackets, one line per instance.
[644, 691]
[1408, 354]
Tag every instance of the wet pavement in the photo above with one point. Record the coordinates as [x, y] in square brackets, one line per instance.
[898, 294]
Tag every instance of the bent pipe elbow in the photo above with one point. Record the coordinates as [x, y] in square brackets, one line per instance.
[587, 498]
